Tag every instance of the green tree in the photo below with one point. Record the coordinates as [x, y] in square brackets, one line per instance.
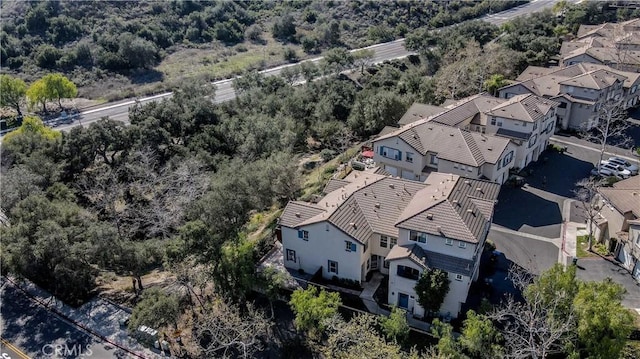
[603, 323]
[31, 126]
[395, 326]
[233, 273]
[447, 346]
[12, 92]
[495, 82]
[432, 287]
[272, 281]
[358, 338]
[480, 339]
[51, 87]
[37, 94]
[155, 309]
[312, 307]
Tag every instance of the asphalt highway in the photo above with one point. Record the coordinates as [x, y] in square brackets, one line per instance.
[225, 92]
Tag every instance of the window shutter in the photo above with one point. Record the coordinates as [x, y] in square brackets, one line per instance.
[299, 234]
[353, 247]
[381, 150]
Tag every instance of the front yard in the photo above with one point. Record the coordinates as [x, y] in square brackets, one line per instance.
[583, 248]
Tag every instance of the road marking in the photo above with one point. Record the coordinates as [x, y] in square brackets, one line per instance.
[16, 350]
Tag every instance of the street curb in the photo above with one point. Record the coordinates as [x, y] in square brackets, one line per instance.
[65, 317]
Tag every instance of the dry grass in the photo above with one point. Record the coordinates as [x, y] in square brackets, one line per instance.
[120, 289]
[315, 180]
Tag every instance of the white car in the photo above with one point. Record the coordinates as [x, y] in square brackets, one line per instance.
[603, 172]
[624, 163]
[616, 169]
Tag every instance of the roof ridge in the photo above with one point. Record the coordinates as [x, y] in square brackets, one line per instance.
[471, 142]
[466, 226]
[366, 219]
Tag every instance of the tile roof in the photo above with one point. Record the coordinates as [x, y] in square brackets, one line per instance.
[451, 206]
[525, 107]
[429, 259]
[333, 185]
[376, 204]
[471, 107]
[297, 212]
[598, 79]
[532, 72]
[419, 111]
[624, 195]
[450, 143]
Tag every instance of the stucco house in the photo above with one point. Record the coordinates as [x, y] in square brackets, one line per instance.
[480, 137]
[581, 90]
[618, 222]
[369, 222]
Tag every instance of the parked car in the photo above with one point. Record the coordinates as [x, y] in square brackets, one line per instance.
[625, 164]
[616, 169]
[604, 172]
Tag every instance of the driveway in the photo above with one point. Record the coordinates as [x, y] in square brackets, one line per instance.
[598, 269]
[528, 251]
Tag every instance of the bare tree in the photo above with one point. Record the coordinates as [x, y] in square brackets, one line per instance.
[225, 331]
[363, 58]
[586, 194]
[529, 328]
[609, 127]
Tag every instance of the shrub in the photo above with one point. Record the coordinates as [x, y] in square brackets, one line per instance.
[327, 154]
[290, 55]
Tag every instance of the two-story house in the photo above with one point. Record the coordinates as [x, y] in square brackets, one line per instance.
[619, 214]
[356, 226]
[421, 147]
[580, 91]
[528, 121]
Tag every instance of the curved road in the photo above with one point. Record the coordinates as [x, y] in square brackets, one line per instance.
[225, 92]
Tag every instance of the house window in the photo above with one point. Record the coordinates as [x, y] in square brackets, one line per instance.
[533, 141]
[433, 159]
[385, 263]
[332, 267]
[459, 277]
[469, 169]
[391, 153]
[499, 123]
[417, 237]
[349, 246]
[392, 242]
[563, 105]
[493, 121]
[383, 241]
[303, 235]
[409, 157]
[455, 165]
[291, 255]
[462, 245]
[408, 272]
[448, 241]
[507, 159]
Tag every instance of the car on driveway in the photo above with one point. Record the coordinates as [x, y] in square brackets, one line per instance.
[604, 172]
[625, 164]
[616, 169]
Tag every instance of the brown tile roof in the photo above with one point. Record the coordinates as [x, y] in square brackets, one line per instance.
[419, 111]
[453, 206]
[449, 143]
[624, 195]
[297, 212]
[525, 107]
[333, 185]
[428, 259]
[470, 107]
[387, 130]
[532, 72]
[631, 78]
[598, 79]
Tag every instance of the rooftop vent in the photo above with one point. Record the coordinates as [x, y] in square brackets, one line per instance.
[455, 201]
[439, 229]
[391, 185]
[352, 224]
[490, 149]
[467, 182]
[298, 214]
[429, 216]
[478, 189]
[377, 205]
[469, 210]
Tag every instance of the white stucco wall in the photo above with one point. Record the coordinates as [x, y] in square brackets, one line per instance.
[402, 166]
[458, 290]
[438, 244]
[323, 245]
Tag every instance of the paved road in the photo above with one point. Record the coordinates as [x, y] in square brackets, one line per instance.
[40, 334]
[10, 351]
[534, 254]
[225, 91]
[598, 269]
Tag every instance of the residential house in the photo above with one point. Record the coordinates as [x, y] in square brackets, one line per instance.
[580, 90]
[415, 150]
[369, 222]
[615, 45]
[619, 222]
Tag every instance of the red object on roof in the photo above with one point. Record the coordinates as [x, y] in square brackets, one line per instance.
[368, 154]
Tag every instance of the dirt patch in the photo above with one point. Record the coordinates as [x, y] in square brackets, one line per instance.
[120, 289]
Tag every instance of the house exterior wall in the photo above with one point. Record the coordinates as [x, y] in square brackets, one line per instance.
[403, 168]
[322, 245]
[445, 166]
[634, 248]
[458, 291]
[568, 61]
[382, 252]
[438, 244]
[580, 115]
[513, 90]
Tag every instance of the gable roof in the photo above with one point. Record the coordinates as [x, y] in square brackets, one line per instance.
[525, 107]
[597, 79]
[472, 107]
[451, 206]
[624, 195]
[450, 143]
[333, 185]
[297, 212]
[419, 111]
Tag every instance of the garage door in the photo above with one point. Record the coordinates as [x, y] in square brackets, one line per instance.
[408, 175]
[392, 170]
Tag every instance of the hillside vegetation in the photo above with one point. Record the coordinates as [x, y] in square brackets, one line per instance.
[115, 49]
